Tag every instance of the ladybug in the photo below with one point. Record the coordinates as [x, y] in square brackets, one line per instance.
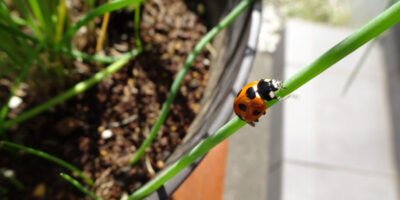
[249, 103]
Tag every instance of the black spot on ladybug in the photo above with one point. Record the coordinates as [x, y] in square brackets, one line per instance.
[239, 93]
[242, 107]
[251, 93]
[256, 112]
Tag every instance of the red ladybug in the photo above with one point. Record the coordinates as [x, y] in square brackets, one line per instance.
[249, 103]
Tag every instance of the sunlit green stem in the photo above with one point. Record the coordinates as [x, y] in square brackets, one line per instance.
[202, 148]
[181, 74]
[79, 186]
[96, 58]
[375, 27]
[372, 29]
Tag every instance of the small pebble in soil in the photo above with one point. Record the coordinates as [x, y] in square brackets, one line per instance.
[106, 134]
[14, 102]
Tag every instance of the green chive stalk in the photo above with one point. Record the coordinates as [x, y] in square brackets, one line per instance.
[48, 157]
[79, 186]
[107, 7]
[372, 29]
[181, 74]
[77, 89]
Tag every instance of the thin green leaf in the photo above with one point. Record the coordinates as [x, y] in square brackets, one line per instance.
[29, 19]
[77, 89]
[37, 12]
[181, 74]
[100, 59]
[48, 157]
[62, 11]
[107, 7]
[136, 27]
[17, 33]
[372, 29]
[14, 181]
[79, 186]
[47, 12]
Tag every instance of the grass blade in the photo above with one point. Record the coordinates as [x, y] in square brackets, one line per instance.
[48, 157]
[136, 28]
[14, 181]
[77, 89]
[37, 12]
[17, 33]
[62, 11]
[100, 59]
[101, 10]
[372, 29]
[80, 187]
[181, 74]
[31, 23]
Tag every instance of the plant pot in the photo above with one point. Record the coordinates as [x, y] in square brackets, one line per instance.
[235, 47]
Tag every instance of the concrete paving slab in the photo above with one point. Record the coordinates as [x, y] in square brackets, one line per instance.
[305, 182]
[333, 144]
[247, 162]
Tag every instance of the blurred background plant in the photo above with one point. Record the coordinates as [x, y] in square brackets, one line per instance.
[333, 12]
[29, 32]
[38, 51]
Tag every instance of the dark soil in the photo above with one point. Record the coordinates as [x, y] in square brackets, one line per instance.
[126, 103]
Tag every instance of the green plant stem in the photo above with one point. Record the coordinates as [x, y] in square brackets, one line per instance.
[17, 32]
[100, 59]
[372, 29]
[37, 13]
[224, 132]
[136, 28]
[62, 12]
[107, 7]
[375, 27]
[77, 89]
[29, 19]
[181, 74]
[4, 108]
[14, 181]
[49, 157]
[79, 186]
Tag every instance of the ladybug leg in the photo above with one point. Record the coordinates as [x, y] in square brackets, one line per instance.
[256, 120]
[251, 124]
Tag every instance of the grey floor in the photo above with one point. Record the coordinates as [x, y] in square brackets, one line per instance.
[319, 143]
